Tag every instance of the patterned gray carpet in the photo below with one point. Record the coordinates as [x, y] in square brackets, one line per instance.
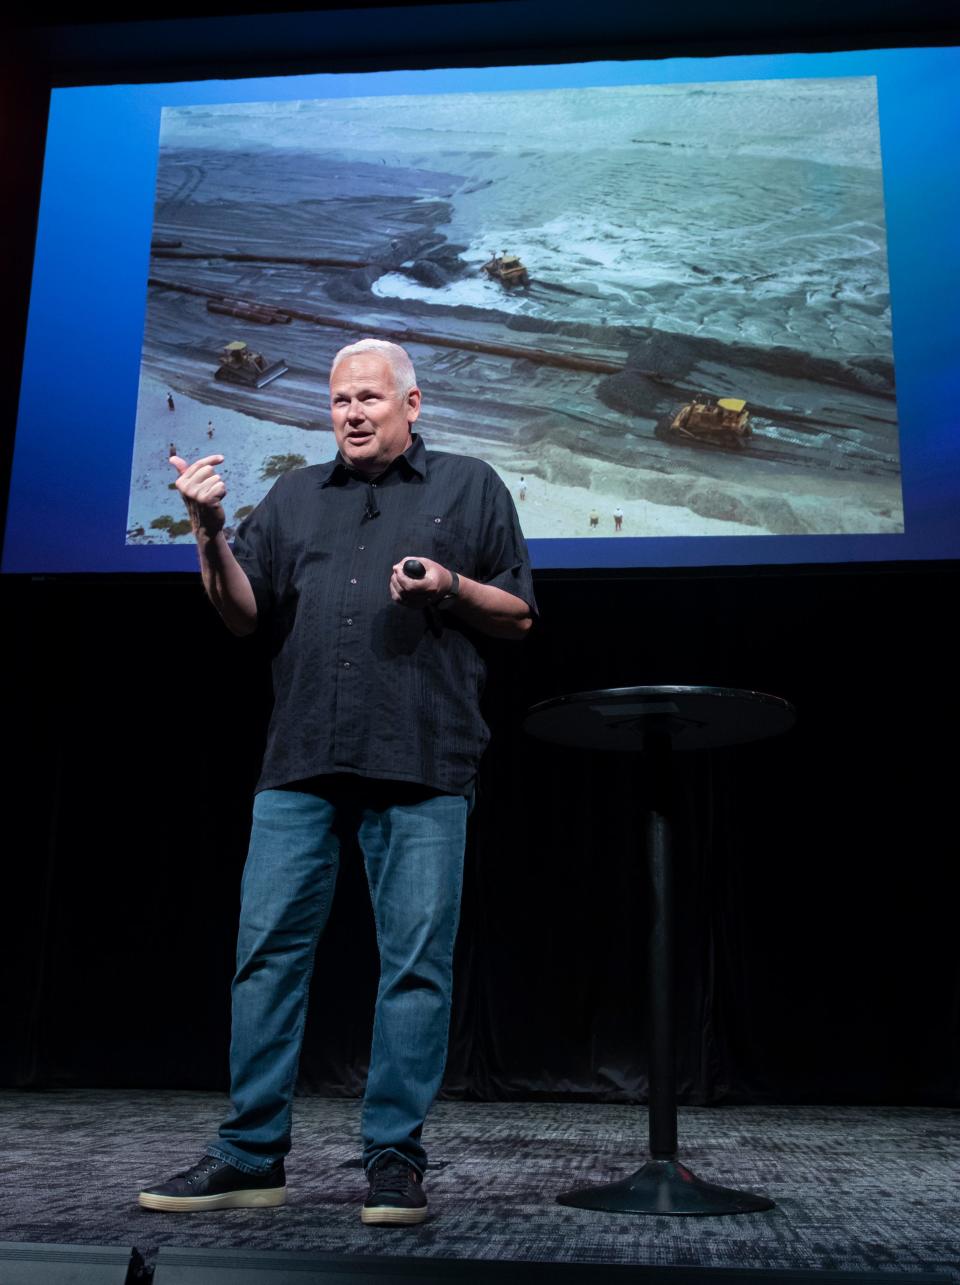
[856, 1188]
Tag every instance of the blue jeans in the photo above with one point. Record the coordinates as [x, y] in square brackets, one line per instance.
[413, 844]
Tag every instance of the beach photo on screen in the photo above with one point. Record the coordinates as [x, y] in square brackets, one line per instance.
[656, 310]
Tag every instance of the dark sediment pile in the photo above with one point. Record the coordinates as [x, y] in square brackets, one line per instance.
[658, 358]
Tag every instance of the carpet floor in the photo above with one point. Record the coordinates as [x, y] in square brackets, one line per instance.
[856, 1188]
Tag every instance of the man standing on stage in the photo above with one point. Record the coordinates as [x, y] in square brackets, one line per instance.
[376, 726]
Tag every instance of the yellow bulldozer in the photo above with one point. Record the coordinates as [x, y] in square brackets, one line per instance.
[507, 269]
[721, 421]
[239, 364]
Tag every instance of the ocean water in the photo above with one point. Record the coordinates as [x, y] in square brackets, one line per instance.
[749, 210]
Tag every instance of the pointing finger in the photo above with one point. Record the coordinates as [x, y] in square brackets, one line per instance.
[192, 469]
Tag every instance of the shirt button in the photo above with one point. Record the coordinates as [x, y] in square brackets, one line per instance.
[361, 547]
[438, 520]
[349, 621]
[346, 664]
[353, 579]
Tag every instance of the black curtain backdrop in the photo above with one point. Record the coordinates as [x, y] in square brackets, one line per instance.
[817, 895]
[817, 956]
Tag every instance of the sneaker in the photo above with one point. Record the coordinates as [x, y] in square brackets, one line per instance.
[214, 1184]
[396, 1194]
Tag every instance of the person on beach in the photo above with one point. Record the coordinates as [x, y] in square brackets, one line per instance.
[618, 518]
[170, 403]
[210, 429]
[594, 518]
[171, 451]
[376, 729]
[522, 489]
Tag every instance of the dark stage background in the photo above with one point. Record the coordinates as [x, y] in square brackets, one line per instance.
[816, 872]
[817, 884]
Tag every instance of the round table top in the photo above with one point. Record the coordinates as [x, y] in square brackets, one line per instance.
[628, 718]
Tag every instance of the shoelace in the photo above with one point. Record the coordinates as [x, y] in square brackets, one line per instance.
[201, 1170]
[389, 1175]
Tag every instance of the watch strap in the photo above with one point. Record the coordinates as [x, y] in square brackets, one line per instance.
[452, 594]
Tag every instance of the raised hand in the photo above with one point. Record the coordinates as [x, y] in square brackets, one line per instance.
[203, 490]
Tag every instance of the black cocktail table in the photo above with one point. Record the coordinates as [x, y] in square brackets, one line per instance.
[657, 722]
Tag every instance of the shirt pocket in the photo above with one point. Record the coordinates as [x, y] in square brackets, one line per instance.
[440, 538]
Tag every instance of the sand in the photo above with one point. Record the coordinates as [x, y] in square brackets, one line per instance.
[244, 441]
[548, 511]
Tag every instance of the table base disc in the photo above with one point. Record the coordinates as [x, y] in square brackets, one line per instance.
[665, 1187]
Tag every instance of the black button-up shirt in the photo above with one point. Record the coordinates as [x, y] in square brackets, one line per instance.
[363, 685]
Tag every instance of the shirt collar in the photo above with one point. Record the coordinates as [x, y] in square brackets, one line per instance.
[413, 461]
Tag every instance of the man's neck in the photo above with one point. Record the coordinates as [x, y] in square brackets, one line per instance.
[374, 471]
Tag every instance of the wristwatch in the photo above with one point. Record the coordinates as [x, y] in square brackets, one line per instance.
[452, 594]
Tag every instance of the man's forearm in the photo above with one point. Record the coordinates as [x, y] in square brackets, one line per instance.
[226, 583]
[491, 610]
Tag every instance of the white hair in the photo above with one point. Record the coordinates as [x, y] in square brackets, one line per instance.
[404, 376]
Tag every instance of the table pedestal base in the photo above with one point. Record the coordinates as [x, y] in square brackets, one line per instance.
[665, 1187]
[656, 722]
